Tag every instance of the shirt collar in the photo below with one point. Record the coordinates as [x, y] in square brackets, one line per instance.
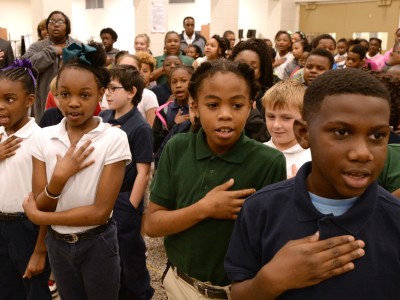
[352, 221]
[188, 38]
[235, 155]
[176, 105]
[61, 134]
[23, 132]
[122, 120]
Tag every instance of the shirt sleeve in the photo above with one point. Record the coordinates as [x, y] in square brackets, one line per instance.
[118, 147]
[149, 100]
[37, 144]
[143, 144]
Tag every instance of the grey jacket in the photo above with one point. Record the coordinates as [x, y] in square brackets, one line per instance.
[199, 40]
[46, 61]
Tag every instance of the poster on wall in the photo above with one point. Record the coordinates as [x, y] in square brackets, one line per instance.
[158, 16]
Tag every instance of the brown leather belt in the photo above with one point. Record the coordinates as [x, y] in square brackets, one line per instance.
[10, 217]
[204, 289]
[73, 238]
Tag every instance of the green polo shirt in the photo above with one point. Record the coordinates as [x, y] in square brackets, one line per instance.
[187, 171]
[390, 175]
[186, 60]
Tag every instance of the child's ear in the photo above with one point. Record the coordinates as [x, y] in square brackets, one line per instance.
[101, 93]
[194, 108]
[300, 129]
[30, 100]
[132, 92]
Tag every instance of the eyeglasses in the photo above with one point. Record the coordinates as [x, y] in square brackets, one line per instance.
[56, 22]
[112, 89]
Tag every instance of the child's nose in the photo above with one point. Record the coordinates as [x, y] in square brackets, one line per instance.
[360, 151]
[224, 113]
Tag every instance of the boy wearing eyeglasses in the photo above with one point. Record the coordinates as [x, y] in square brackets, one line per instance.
[123, 94]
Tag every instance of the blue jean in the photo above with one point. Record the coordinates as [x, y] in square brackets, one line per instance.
[17, 242]
[89, 269]
[135, 278]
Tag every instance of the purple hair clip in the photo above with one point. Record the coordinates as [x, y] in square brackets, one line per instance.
[22, 63]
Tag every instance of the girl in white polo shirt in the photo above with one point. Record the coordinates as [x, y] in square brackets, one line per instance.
[24, 269]
[78, 167]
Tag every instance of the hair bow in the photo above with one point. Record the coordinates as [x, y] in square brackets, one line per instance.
[77, 51]
[22, 63]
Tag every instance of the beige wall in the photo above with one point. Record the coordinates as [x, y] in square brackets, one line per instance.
[344, 19]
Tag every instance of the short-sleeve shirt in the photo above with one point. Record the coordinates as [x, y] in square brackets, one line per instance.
[110, 146]
[187, 171]
[140, 139]
[390, 175]
[16, 170]
[282, 212]
[149, 101]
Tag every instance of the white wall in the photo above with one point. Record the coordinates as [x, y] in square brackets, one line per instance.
[175, 13]
[16, 16]
[117, 14]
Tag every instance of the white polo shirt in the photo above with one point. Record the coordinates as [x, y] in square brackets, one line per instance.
[110, 146]
[16, 170]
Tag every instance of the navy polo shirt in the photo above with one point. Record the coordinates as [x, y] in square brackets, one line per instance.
[282, 212]
[140, 137]
[163, 92]
[173, 109]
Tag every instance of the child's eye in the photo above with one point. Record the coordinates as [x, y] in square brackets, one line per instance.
[63, 94]
[341, 132]
[10, 100]
[85, 95]
[237, 105]
[378, 136]
[212, 105]
[270, 117]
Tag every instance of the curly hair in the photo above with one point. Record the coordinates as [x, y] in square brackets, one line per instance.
[146, 58]
[111, 32]
[259, 47]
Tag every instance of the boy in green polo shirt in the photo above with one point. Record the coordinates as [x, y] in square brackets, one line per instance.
[203, 179]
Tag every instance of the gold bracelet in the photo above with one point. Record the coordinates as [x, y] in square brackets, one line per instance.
[50, 195]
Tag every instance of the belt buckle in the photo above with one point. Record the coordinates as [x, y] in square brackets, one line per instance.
[201, 288]
[74, 238]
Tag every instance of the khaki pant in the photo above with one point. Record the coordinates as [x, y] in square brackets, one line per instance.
[178, 289]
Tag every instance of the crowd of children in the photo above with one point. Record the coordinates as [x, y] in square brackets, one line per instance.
[266, 178]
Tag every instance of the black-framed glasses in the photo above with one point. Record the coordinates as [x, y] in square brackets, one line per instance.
[56, 22]
[112, 89]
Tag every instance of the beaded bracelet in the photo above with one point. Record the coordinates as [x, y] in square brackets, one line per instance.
[50, 195]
